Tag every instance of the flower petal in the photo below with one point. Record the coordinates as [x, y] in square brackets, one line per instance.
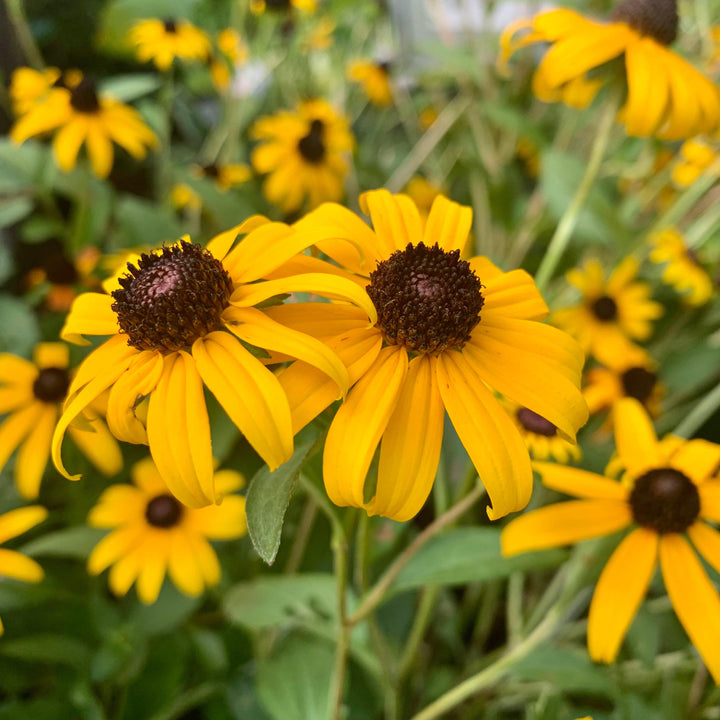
[358, 426]
[99, 446]
[620, 590]
[707, 542]
[410, 448]
[635, 437]
[512, 294]
[90, 314]
[51, 355]
[183, 566]
[448, 224]
[579, 483]
[697, 459]
[250, 394]
[33, 456]
[67, 142]
[179, 432]
[490, 437]
[694, 598]
[152, 572]
[16, 522]
[710, 500]
[395, 218]
[220, 245]
[15, 370]
[648, 91]
[16, 427]
[19, 567]
[99, 150]
[564, 524]
[321, 320]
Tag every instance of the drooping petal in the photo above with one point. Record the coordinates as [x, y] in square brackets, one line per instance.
[321, 320]
[410, 447]
[620, 590]
[564, 524]
[492, 440]
[67, 142]
[99, 446]
[220, 245]
[183, 566]
[90, 314]
[152, 572]
[448, 224]
[19, 567]
[635, 437]
[579, 483]
[16, 522]
[99, 150]
[249, 393]
[648, 91]
[256, 328]
[694, 598]
[358, 426]
[179, 432]
[34, 453]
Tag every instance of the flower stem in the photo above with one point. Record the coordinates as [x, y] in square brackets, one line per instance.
[696, 418]
[18, 19]
[559, 241]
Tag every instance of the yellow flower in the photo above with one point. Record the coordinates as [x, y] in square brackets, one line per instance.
[427, 117]
[683, 271]
[666, 96]
[28, 87]
[447, 332]
[183, 196]
[541, 436]
[224, 176]
[155, 535]
[628, 374]
[612, 313]
[374, 77]
[320, 36]
[233, 53]
[423, 193]
[303, 154]
[667, 491]
[13, 564]
[696, 156]
[178, 321]
[32, 393]
[161, 41]
[81, 116]
[258, 7]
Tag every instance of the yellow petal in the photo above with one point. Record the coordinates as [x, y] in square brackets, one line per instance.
[710, 500]
[90, 314]
[635, 437]
[152, 573]
[579, 483]
[564, 524]
[16, 397]
[179, 432]
[16, 522]
[256, 328]
[620, 590]
[410, 448]
[99, 149]
[16, 370]
[125, 571]
[321, 320]
[16, 428]
[490, 437]
[697, 459]
[648, 92]
[98, 446]
[183, 566]
[67, 142]
[395, 218]
[694, 598]
[707, 542]
[249, 393]
[19, 567]
[220, 245]
[448, 225]
[513, 294]
[112, 547]
[51, 355]
[34, 453]
[358, 426]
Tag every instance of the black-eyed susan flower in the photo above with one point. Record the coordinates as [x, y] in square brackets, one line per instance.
[161, 41]
[630, 374]
[233, 53]
[541, 436]
[81, 116]
[423, 193]
[666, 96]
[154, 535]
[666, 495]
[374, 78]
[183, 196]
[28, 86]
[180, 318]
[304, 154]
[31, 394]
[224, 176]
[695, 157]
[13, 564]
[612, 312]
[683, 270]
[447, 331]
[258, 7]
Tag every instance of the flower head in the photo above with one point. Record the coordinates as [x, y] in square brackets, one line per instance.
[82, 116]
[374, 77]
[260, 6]
[178, 320]
[224, 176]
[667, 492]
[161, 41]
[13, 564]
[233, 53]
[32, 394]
[666, 96]
[695, 157]
[155, 535]
[303, 154]
[612, 312]
[29, 87]
[447, 331]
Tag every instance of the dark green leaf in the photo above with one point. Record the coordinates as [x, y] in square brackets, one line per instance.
[130, 87]
[14, 209]
[47, 648]
[74, 542]
[18, 330]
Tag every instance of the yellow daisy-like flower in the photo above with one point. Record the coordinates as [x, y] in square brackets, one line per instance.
[161, 41]
[666, 493]
[81, 116]
[224, 176]
[233, 53]
[666, 96]
[257, 7]
[423, 193]
[13, 564]
[155, 535]
[32, 393]
[630, 374]
[29, 87]
[183, 196]
[447, 332]
[374, 78]
[541, 436]
[179, 319]
[320, 36]
[683, 270]
[427, 117]
[696, 156]
[612, 313]
[303, 154]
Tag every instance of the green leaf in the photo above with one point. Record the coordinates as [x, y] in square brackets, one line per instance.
[269, 496]
[18, 330]
[467, 555]
[73, 542]
[130, 87]
[14, 209]
[275, 599]
[21, 165]
[47, 648]
[143, 223]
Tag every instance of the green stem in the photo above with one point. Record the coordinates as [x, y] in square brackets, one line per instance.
[163, 179]
[297, 552]
[514, 605]
[24, 35]
[337, 686]
[559, 241]
[419, 627]
[696, 418]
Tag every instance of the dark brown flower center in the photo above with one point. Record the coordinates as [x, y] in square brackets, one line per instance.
[427, 300]
[535, 423]
[172, 297]
[170, 25]
[605, 309]
[312, 145]
[639, 383]
[51, 385]
[277, 4]
[385, 66]
[164, 511]
[211, 170]
[665, 500]
[83, 97]
[657, 19]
